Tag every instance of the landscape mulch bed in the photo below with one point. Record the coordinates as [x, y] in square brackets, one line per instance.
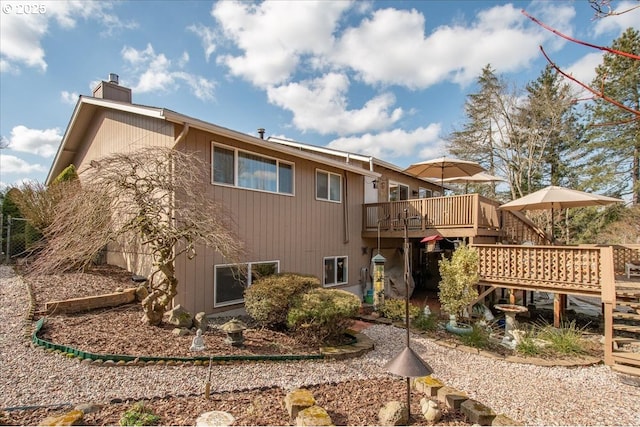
[348, 403]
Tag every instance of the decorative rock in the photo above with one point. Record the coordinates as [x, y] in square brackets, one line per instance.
[394, 413]
[298, 400]
[71, 418]
[88, 408]
[215, 418]
[141, 293]
[477, 413]
[313, 416]
[180, 332]
[430, 410]
[180, 317]
[428, 385]
[451, 397]
[503, 420]
[200, 322]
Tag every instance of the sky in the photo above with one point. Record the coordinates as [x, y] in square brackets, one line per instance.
[381, 78]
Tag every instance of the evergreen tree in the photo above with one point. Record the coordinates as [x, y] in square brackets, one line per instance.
[547, 127]
[612, 146]
[484, 137]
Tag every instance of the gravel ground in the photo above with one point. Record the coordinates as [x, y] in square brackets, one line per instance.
[530, 394]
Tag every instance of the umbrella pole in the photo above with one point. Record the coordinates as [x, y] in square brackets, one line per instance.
[553, 238]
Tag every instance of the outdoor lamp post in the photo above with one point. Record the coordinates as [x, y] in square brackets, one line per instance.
[378, 280]
[407, 363]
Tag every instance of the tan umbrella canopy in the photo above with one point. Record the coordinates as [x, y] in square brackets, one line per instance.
[480, 177]
[444, 167]
[554, 197]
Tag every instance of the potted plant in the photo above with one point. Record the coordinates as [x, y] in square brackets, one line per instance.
[459, 275]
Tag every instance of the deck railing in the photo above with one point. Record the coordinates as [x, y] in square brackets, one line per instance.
[573, 269]
[463, 211]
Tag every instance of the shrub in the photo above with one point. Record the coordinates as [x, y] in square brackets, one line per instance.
[459, 275]
[395, 309]
[322, 315]
[566, 340]
[139, 415]
[478, 338]
[269, 298]
[425, 323]
[528, 346]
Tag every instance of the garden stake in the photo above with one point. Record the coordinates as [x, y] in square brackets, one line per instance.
[207, 387]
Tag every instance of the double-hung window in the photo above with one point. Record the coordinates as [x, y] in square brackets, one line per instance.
[335, 271]
[328, 186]
[398, 191]
[424, 193]
[252, 171]
[231, 280]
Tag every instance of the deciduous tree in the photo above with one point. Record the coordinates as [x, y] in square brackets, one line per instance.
[155, 198]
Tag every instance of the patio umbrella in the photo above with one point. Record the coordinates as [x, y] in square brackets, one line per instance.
[480, 177]
[554, 197]
[444, 167]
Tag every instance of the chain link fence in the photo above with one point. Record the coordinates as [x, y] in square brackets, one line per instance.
[17, 238]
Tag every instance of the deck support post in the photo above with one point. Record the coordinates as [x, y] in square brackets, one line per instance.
[608, 333]
[559, 305]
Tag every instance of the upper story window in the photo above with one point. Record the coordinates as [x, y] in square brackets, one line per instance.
[424, 193]
[253, 171]
[398, 191]
[328, 186]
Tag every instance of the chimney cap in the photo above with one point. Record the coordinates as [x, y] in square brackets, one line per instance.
[113, 78]
[261, 132]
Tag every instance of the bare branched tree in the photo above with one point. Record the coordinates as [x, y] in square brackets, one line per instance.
[599, 6]
[603, 8]
[155, 197]
[38, 203]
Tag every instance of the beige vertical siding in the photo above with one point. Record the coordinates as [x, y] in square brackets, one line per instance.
[298, 231]
[118, 132]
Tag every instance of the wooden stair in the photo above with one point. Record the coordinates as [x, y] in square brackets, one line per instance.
[626, 332]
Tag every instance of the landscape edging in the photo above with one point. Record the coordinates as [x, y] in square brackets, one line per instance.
[361, 345]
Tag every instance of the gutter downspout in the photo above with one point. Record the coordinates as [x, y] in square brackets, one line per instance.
[185, 130]
[178, 140]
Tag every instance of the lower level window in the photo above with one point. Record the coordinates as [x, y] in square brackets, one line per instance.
[335, 271]
[231, 280]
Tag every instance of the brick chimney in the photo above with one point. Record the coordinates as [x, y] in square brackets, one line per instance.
[112, 90]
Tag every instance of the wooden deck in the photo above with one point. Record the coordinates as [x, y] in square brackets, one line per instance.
[468, 215]
[589, 270]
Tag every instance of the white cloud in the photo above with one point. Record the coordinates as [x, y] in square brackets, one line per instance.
[69, 97]
[321, 105]
[207, 37]
[619, 23]
[393, 144]
[390, 47]
[41, 142]
[13, 164]
[584, 69]
[22, 33]
[157, 73]
[275, 36]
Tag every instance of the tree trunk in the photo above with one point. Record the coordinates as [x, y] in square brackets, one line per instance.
[156, 303]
